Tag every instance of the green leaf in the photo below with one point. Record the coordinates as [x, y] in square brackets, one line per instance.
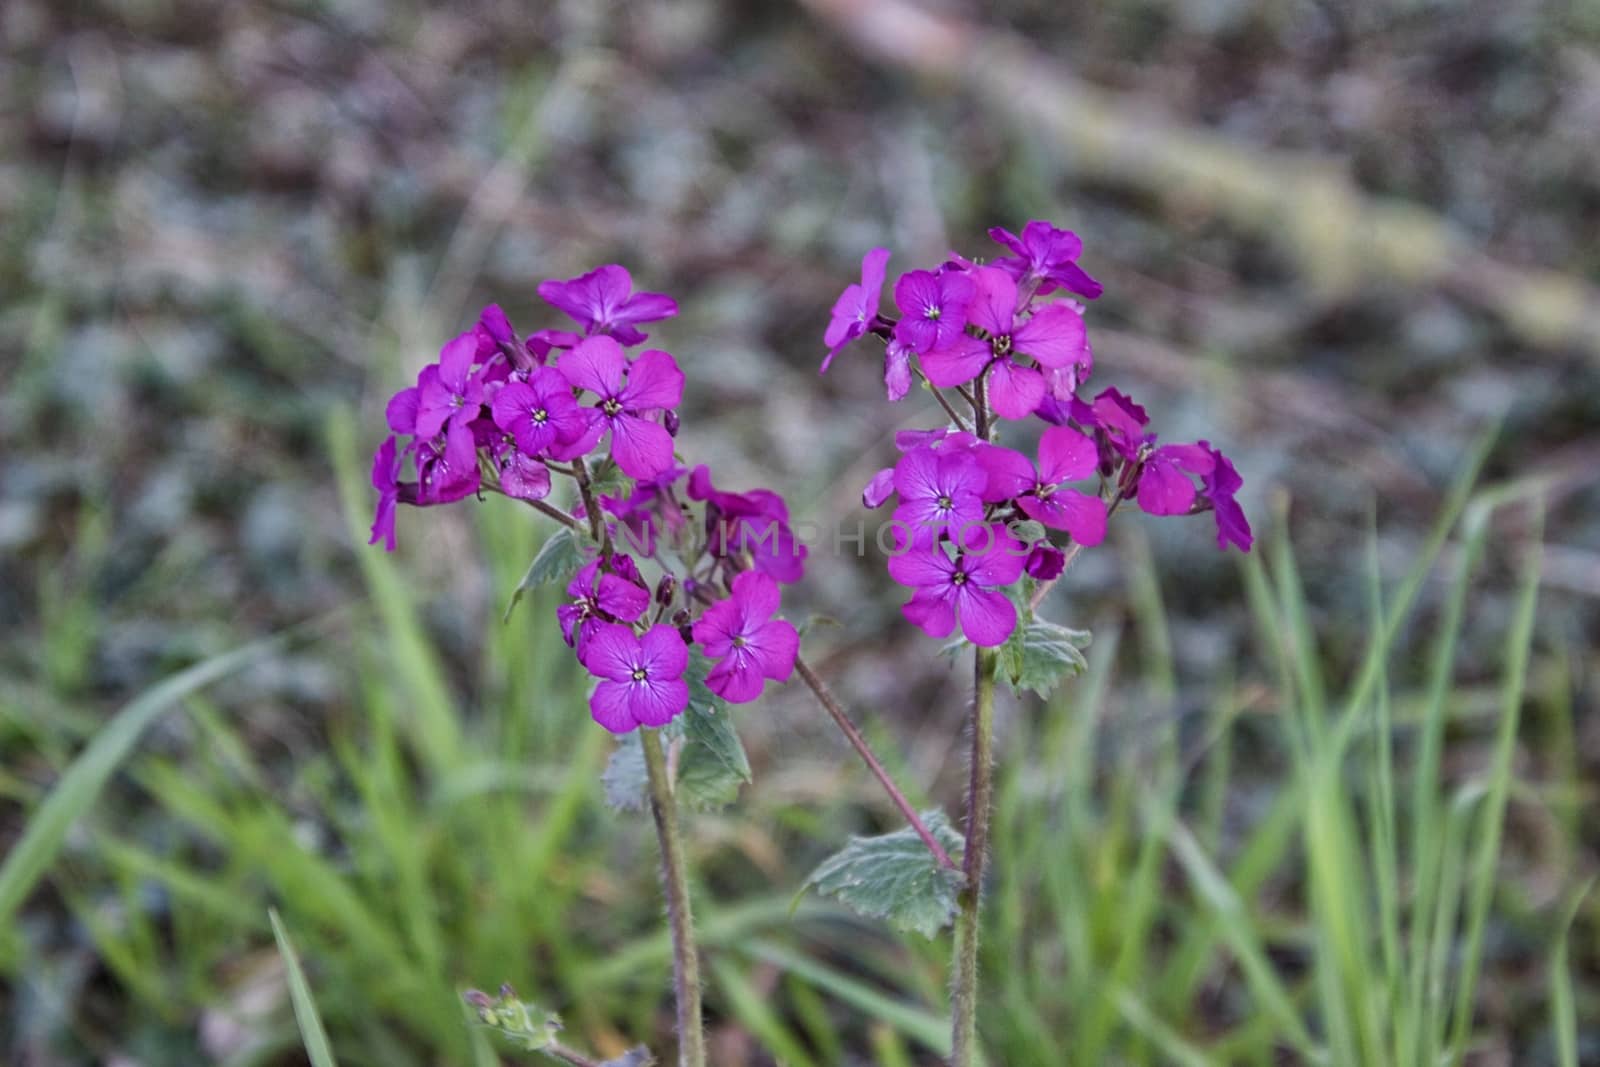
[712, 764]
[607, 479]
[556, 561]
[895, 877]
[625, 781]
[711, 761]
[1028, 531]
[1039, 654]
[312, 1035]
[525, 1025]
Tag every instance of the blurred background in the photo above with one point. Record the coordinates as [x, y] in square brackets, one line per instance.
[1351, 244]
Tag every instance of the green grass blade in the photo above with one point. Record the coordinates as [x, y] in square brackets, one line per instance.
[1487, 854]
[82, 782]
[1563, 1015]
[305, 1007]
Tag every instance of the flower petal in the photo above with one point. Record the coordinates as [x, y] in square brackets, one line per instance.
[654, 381]
[597, 365]
[1014, 391]
[1055, 336]
[1065, 455]
[987, 617]
[610, 705]
[611, 652]
[643, 449]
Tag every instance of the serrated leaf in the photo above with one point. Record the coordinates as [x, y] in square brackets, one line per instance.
[895, 877]
[712, 764]
[557, 560]
[711, 761]
[625, 780]
[607, 479]
[1039, 654]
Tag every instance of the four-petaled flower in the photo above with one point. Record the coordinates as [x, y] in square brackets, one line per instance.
[1053, 335]
[1164, 484]
[748, 644]
[627, 394]
[1065, 455]
[603, 302]
[933, 307]
[641, 677]
[964, 587]
[1221, 483]
[598, 597]
[857, 307]
[539, 412]
[941, 493]
[1046, 255]
[448, 391]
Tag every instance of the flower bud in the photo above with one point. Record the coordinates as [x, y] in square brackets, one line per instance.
[666, 589]
[670, 421]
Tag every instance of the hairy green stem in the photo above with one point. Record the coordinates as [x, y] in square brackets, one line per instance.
[675, 882]
[980, 799]
[825, 697]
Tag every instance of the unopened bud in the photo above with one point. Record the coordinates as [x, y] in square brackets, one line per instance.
[666, 589]
[670, 421]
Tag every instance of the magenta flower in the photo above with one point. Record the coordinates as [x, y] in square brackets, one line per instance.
[603, 302]
[754, 522]
[941, 492]
[447, 467]
[401, 412]
[539, 412]
[933, 307]
[1065, 455]
[1054, 336]
[1164, 484]
[628, 393]
[879, 489]
[896, 370]
[964, 587]
[641, 677]
[598, 598]
[1220, 484]
[448, 391]
[385, 479]
[1045, 562]
[857, 307]
[1046, 255]
[748, 644]
[521, 476]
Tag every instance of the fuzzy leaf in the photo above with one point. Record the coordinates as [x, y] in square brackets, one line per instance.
[712, 764]
[625, 780]
[557, 560]
[1040, 654]
[525, 1025]
[895, 877]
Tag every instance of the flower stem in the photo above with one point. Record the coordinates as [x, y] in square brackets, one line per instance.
[674, 877]
[857, 741]
[555, 513]
[591, 507]
[980, 793]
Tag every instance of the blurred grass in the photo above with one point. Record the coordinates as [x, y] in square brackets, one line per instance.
[429, 844]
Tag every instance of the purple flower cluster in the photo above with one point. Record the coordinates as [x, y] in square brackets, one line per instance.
[503, 413]
[993, 335]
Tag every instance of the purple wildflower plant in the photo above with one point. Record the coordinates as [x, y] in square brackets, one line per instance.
[597, 597]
